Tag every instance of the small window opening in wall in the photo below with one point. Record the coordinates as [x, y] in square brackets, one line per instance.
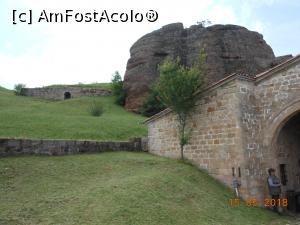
[240, 174]
[233, 171]
[67, 95]
[283, 174]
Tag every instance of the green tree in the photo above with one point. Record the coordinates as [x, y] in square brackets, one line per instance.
[176, 88]
[117, 88]
[18, 88]
[151, 104]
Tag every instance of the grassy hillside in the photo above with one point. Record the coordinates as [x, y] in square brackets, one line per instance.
[4, 90]
[26, 117]
[106, 86]
[116, 188]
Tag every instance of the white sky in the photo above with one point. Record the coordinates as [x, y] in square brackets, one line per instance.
[43, 54]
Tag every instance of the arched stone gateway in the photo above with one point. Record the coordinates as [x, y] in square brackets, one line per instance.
[67, 95]
[242, 126]
[279, 121]
[287, 153]
[283, 143]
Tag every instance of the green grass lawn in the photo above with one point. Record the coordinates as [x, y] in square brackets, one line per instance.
[116, 188]
[26, 117]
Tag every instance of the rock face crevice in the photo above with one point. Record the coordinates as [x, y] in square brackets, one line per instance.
[228, 48]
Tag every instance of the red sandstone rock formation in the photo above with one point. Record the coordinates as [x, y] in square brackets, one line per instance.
[228, 48]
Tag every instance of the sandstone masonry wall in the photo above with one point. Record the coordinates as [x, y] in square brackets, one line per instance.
[12, 147]
[215, 144]
[57, 93]
[237, 126]
[265, 108]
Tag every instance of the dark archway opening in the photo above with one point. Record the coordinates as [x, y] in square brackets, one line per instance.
[67, 95]
[288, 161]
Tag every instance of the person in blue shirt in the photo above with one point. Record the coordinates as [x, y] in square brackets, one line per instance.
[274, 187]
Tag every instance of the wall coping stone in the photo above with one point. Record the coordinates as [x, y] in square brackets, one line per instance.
[15, 146]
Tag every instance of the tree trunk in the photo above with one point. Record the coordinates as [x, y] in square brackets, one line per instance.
[182, 120]
[181, 152]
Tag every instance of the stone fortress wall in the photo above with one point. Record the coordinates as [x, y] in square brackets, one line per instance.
[64, 92]
[14, 147]
[266, 106]
[239, 130]
[215, 143]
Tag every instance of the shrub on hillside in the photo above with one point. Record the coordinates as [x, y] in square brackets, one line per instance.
[117, 89]
[18, 88]
[96, 108]
[151, 104]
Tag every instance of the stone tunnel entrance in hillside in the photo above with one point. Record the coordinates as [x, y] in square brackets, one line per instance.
[67, 95]
[287, 148]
